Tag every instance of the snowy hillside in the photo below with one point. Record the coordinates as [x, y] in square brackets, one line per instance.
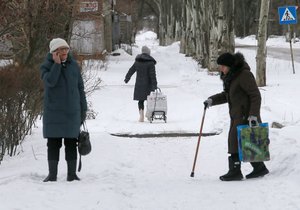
[154, 173]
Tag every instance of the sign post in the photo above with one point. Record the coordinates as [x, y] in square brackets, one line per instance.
[288, 15]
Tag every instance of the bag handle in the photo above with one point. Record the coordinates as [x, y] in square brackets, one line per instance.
[84, 126]
[85, 129]
[157, 90]
[253, 125]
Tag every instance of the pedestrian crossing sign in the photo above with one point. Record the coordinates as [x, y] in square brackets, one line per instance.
[287, 15]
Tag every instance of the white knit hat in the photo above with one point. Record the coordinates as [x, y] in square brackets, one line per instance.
[57, 43]
[146, 50]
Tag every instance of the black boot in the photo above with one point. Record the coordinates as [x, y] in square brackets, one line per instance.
[52, 164]
[72, 171]
[234, 172]
[259, 169]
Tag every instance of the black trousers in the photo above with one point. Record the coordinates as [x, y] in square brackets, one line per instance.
[141, 104]
[54, 145]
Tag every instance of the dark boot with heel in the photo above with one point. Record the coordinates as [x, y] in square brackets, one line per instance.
[72, 171]
[259, 169]
[234, 172]
[52, 176]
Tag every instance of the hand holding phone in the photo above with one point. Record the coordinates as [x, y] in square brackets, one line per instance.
[56, 58]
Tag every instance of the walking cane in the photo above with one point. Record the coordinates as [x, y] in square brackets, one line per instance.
[200, 134]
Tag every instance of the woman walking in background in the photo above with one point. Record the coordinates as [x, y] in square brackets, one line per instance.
[145, 82]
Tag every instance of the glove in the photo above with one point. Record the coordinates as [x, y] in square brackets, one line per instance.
[126, 80]
[252, 121]
[207, 103]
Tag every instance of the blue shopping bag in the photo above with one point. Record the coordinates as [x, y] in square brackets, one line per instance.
[253, 143]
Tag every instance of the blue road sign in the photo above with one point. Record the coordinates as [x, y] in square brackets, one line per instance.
[287, 15]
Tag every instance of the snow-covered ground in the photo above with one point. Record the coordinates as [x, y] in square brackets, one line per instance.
[154, 173]
[273, 41]
[5, 62]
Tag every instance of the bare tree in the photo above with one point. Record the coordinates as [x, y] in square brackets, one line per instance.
[30, 24]
[107, 7]
[262, 38]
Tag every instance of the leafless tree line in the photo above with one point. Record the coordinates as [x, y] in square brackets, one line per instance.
[207, 28]
[30, 24]
[204, 28]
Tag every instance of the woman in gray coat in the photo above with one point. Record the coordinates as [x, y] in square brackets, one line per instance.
[65, 106]
[145, 82]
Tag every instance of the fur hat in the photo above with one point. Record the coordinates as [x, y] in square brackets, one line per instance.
[146, 50]
[226, 59]
[57, 43]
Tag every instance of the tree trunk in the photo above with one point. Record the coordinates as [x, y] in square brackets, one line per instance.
[107, 25]
[226, 17]
[261, 41]
[197, 24]
[217, 22]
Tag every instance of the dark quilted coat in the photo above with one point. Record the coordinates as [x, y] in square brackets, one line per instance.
[243, 98]
[144, 66]
[64, 98]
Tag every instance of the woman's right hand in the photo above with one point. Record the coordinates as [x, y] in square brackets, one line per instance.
[56, 58]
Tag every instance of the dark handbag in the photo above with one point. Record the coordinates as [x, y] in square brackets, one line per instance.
[84, 144]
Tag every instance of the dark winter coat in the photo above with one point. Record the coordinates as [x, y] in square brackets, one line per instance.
[242, 95]
[144, 66]
[64, 98]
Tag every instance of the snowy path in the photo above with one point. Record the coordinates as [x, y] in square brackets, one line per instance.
[150, 174]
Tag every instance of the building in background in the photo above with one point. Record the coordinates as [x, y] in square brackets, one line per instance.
[88, 28]
[102, 26]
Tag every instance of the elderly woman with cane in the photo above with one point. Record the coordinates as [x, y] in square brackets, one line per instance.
[244, 100]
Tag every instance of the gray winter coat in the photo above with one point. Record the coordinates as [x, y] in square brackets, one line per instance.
[144, 66]
[64, 98]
